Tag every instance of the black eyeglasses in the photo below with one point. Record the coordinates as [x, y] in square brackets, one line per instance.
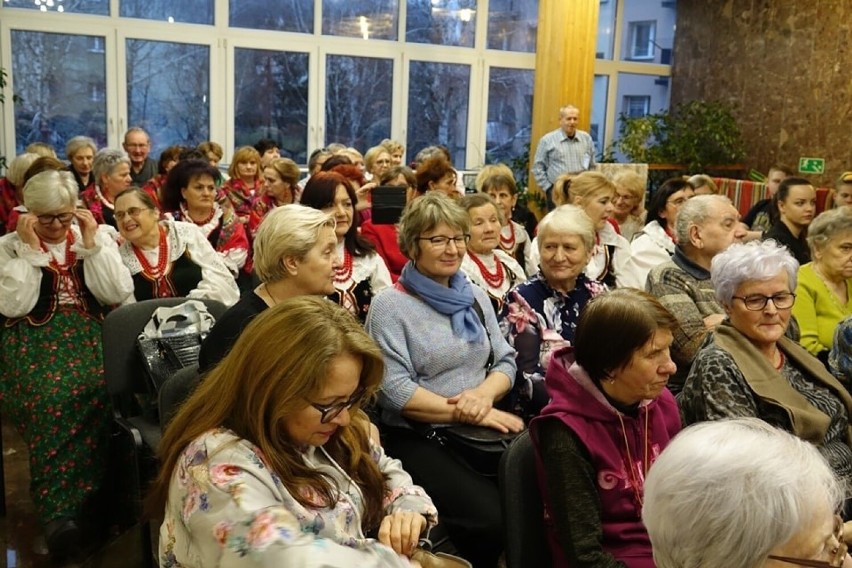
[332, 411]
[756, 302]
[837, 551]
[443, 242]
[63, 218]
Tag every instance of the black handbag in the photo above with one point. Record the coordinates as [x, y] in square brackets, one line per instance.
[481, 447]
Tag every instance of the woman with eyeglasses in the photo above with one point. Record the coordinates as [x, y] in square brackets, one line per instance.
[741, 494]
[189, 195]
[60, 272]
[747, 367]
[111, 170]
[655, 243]
[272, 461]
[629, 203]
[169, 259]
[446, 363]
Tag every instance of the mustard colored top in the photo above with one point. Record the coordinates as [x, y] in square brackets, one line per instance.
[818, 310]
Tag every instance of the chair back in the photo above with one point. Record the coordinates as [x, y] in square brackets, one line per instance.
[123, 370]
[175, 391]
[523, 508]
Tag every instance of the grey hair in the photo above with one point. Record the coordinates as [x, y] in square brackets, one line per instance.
[565, 109]
[696, 211]
[828, 225]
[78, 143]
[757, 260]
[49, 191]
[18, 168]
[728, 492]
[424, 214]
[288, 230]
[106, 160]
[569, 219]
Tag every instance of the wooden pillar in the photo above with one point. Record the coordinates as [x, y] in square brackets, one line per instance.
[564, 69]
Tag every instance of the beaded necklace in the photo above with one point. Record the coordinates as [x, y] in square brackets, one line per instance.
[494, 280]
[155, 272]
[508, 244]
[344, 273]
[185, 214]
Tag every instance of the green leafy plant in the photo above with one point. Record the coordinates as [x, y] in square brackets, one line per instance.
[695, 135]
[520, 166]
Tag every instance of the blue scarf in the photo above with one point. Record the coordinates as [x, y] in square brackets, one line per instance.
[455, 301]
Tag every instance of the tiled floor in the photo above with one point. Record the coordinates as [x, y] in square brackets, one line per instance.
[20, 532]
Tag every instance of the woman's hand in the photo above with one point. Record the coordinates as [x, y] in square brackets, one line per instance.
[363, 194]
[401, 531]
[26, 230]
[502, 421]
[88, 227]
[471, 406]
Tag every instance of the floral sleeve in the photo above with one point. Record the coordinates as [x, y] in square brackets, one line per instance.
[402, 494]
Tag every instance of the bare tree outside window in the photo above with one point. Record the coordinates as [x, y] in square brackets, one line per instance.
[281, 15]
[373, 19]
[189, 11]
[97, 7]
[168, 91]
[60, 97]
[271, 100]
[358, 100]
[510, 94]
[438, 96]
[441, 22]
[512, 25]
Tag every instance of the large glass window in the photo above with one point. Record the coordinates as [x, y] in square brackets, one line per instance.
[367, 19]
[60, 97]
[99, 7]
[441, 22]
[599, 97]
[189, 11]
[606, 29]
[438, 97]
[510, 95]
[648, 31]
[512, 25]
[271, 99]
[281, 15]
[168, 91]
[358, 100]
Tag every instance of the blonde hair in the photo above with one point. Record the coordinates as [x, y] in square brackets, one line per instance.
[242, 155]
[18, 168]
[701, 180]
[494, 171]
[287, 170]
[587, 185]
[424, 214]
[50, 190]
[634, 184]
[288, 230]
[372, 155]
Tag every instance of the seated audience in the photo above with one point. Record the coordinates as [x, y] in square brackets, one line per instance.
[763, 214]
[245, 181]
[11, 188]
[446, 363]
[361, 273]
[747, 367]
[796, 203]
[395, 149]
[485, 263]
[171, 259]
[609, 417]
[355, 157]
[213, 153]
[741, 494]
[44, 164]
[498, 181]
[268, 150]
[43, 149]
[610, 262]
[706, 225]
[111, 169]
[703, 185]
[315, 164]
[824, 289]
[190, 196]
[294, 255]
[385, 236]
[843, 190]
[629, 203]
[272, 462]
[655, 243]
[840, 356]
[58, 279]
[80, 151]
[168, 159]
[361, 187]
[378, 161]
[541, 314]
[280, 182]
[436, 173]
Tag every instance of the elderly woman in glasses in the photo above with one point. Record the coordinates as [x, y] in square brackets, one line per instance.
[741, 494]
[59, 274]
[446, 363]
[747, 367]
[111, 170]
[273, 462]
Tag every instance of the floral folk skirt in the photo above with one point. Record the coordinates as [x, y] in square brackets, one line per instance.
[52, 389]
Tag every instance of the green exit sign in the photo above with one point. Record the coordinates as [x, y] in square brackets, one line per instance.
[811, 165]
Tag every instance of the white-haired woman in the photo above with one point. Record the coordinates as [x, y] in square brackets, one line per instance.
[824, 289]
[541, 314]
[747, 367]
[111, 170]
[741, 494]
[80, 151]
[295, 254]
[57, 280]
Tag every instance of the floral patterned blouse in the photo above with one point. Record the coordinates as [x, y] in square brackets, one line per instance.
[537, 320]
[226, 508]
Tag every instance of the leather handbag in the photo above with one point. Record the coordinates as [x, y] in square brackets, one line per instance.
[429, 559]
[481, 447]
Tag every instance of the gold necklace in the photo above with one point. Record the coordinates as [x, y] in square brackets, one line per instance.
[637, 483]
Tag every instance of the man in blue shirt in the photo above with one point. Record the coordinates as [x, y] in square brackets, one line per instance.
[565, 150]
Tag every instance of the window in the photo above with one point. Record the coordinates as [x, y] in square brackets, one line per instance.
[512, 25]
[376, 19]
[509, 113]
[189, 11]
[358, 100]
[438, 98]
[99, 7]
[636, 106]
[641, 42]
[599, 98]
[441, 22]
[280, 15]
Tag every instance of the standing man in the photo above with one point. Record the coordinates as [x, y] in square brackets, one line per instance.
[565, 150]
[137, 144]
